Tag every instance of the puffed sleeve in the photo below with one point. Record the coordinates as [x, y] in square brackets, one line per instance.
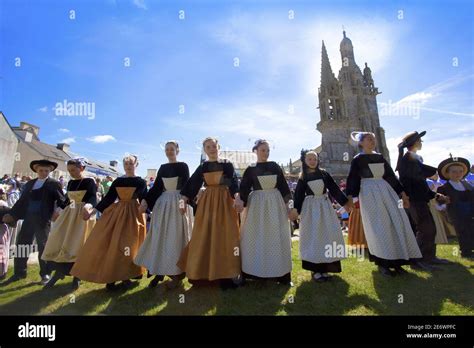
[109, 198]
[300, 194]
[389, 176]
[157, 189]
[191, 189]
[353, 179]
[234, 182]
[246, 185]
[282, 184]
[185, 173]
[333, 189]
[91, 194]
[142, 189]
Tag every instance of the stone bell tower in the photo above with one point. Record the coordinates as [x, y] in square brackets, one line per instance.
[346, 103]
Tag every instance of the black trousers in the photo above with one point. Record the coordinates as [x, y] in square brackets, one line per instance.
[425, 229]
[465, 231]
[33, 227]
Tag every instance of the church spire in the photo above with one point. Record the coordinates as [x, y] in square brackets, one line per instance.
[327, 76]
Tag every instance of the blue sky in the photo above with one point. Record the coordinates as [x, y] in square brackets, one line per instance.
[182, 82]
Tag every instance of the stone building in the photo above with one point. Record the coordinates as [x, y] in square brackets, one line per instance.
[8, 146]
[346, 103]
[25, 146]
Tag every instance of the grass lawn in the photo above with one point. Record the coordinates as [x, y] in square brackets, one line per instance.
[358, 290]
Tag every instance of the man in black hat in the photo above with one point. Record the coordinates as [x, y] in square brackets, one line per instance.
[36, 207]
[413, 174]
[461, 206]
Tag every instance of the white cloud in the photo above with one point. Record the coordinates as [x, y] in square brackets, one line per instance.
[237, 126]
[273, 43]
[69, 140]
[140, 4]
[435, 94]
[419, 97]
[100, 139]
[63, 130]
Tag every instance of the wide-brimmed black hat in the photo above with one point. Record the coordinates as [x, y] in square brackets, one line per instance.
[410, 138]
[43, 163]
[444, 166]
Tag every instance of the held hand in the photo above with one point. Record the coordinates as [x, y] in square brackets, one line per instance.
[143, 207]
[8, 219]
[55, 216]
[86, 214]
[293, 214]
[405, 200]
[182, 205]
[442, 198]
[238, 204]
[349, 206]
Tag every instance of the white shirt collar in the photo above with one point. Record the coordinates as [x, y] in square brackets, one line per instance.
[457, 185]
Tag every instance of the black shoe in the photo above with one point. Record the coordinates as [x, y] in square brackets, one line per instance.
[75, 283]
[422, 266]
[321, 279]
[386, 271]
[438, 261]
[45, 279]
[111, 287]
[154, 282]
[400, 270]
[14, 278]
[126, 284]
[57, 276]
[226, 284]
[3, 277]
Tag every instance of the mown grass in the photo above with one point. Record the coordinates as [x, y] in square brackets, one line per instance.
[358, 290]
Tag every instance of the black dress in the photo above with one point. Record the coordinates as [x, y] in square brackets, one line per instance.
[265, 235]
[169, 230]
[69, 230]
[167, 170]
[390, 238]
[319, 225]
[212, 253]
[107, 255]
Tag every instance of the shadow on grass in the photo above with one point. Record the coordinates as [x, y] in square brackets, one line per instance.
[329, 298]
[33, 302]
[410, 294]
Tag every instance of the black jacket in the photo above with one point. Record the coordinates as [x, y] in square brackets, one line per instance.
[52, 194]
[461, 208]
[413, 175]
